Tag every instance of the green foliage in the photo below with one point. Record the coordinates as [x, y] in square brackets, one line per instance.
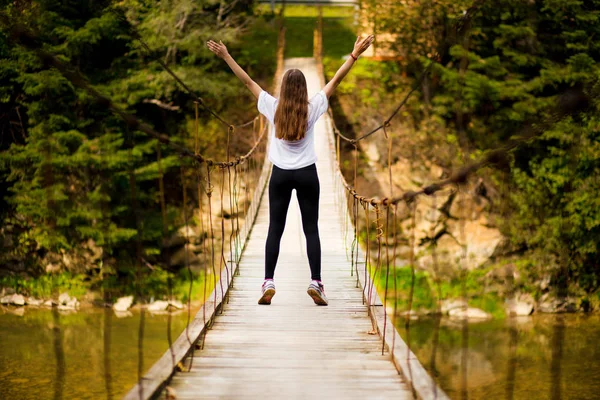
[47, 286]
[516, 68]
[301, 21]
[427, 292]
[69, 167]
[154, 284]
[558, 201]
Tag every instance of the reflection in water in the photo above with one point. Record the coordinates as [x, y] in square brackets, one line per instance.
[558, 337]
[408, 350]
[141, 352]
[464, 394]
[432, 367]
[108, 313]
[169, 319]
[540, 357]
[511, 370]
[48, 354]
[59, 353]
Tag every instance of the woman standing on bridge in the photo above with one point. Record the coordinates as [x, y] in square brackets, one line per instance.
[292, 153]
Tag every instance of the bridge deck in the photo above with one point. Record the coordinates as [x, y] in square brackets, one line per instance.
[293, 348]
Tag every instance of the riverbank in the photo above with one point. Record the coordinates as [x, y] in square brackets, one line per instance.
[71, 293]
[465, 244]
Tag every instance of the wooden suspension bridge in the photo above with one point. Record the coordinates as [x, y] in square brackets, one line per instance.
[234, 348]
[292, 348]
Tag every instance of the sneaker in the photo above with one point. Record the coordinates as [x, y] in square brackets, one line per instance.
[316, 290]
[268, 291]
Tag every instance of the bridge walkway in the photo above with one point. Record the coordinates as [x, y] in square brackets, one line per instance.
[294, 349]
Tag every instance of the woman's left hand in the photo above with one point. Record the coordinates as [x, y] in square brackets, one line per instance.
[218, 48]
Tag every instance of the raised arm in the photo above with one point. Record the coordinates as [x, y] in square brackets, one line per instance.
[221, 51]
[359, 47]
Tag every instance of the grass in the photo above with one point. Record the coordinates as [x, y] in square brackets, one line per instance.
[47, 286]
[426, 291]
[154, 284]
[300, 22]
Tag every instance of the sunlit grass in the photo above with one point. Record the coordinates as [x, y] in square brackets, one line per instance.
[427, 292]
[300, 22]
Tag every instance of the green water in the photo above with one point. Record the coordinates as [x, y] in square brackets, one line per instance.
[539, 357]
[90, 354]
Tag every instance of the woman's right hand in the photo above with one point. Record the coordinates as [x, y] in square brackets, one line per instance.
[218, 48]
[361, 45]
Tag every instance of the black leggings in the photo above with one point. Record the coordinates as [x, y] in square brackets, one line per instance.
[306, 183]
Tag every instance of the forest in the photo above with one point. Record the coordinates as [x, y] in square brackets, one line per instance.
[517, 71]
[67, 215]
[515, 75]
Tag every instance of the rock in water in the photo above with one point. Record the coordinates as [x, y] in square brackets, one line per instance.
[5, 300]
[73, 304]
[158, 305]
[123, 304]
[469, 313]
[20, 311]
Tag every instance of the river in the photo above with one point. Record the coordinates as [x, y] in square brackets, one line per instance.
[538, 357]
[90, 354]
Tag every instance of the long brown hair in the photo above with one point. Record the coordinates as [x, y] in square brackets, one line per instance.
[291, 117]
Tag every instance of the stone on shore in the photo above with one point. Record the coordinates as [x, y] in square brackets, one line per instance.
[520, 306]
[522, 309]
[158, 305]
[32, 301]
[123, 304]
[452, 304]
[66, 302]
[49, 303]
[469, 313]
[17, 300]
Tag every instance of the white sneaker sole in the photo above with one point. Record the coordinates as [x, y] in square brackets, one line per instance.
[316, 296]
[267, 296]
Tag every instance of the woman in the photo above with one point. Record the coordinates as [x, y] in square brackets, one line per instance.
[292, 153]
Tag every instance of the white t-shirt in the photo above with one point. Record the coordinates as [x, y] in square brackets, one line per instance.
[287, 154]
